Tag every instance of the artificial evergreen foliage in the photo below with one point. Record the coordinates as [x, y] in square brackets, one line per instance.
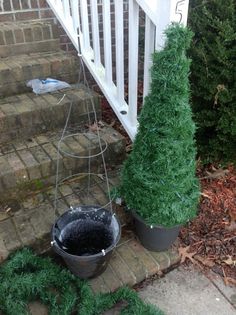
[158, 179]
[26, 277]
[213, 77]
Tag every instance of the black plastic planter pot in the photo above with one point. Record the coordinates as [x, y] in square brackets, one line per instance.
[155, 238]
[85, 237]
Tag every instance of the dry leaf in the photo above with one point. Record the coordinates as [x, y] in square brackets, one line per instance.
[230, 261]
[231, 280]
[112, 123]
[219, 173]
[205, 195]
[232, 214]
[101, 176]
[205, 261]
[128, 148]
[184, 254]
[94, 127]
[231, 227]
[8, 210]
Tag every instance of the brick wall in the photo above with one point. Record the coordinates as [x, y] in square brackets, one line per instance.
[26, 10]
[22, 10]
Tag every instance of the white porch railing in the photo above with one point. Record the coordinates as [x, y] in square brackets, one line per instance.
[80, 20]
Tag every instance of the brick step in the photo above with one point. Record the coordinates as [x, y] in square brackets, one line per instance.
[26, 115]
[32, 163]
[27, 37]
[28, 222]
[16, 71]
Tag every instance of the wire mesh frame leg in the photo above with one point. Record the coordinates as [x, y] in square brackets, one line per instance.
[89, 156]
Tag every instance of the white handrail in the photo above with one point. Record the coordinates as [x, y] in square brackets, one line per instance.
[75, 17]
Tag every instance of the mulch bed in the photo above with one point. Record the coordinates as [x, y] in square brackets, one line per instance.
[209, 241]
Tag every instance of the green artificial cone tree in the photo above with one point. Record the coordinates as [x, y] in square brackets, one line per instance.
[158, 179]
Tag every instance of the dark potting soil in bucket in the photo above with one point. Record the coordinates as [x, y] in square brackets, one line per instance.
[85, 237]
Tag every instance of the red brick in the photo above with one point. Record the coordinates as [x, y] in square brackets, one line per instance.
[162, 258]
[16, 4]
[25, 4]
[122, 270]
[7, 5]
[29, 15]
[43, 4]
[9, 37]
[111, 280]
[19, 36]
[6, 17]
[45, 14]
[64, 39]
[151, 266]
[134, 262]
[34, 4]
[98, 285]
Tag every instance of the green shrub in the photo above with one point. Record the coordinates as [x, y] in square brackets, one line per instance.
[213, 77]
[158, 179]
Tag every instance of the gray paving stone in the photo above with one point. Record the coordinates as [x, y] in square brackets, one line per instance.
[42, 219]
[9, 236]
[24, 228]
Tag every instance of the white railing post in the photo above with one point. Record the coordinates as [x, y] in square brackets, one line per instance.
[119, 29]
[75, 14]
[85, 26]
[166, 12]
[95, 32]
[162, 14]
[66, 8]
[107, 40]
[148, 51]
[133, 60]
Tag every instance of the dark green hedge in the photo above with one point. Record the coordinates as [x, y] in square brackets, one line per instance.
[213, 77]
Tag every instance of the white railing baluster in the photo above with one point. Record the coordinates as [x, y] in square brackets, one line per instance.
[148, 51]
[107, 40]
[75, 13]
[119, 28]
[66, 8]
[85, 25]
[133, 60]
[95, 32]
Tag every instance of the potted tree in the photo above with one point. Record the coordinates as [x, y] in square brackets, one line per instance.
[158, 181]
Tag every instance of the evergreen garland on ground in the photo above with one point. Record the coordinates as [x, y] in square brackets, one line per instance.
[158, 179]
[26, 277]
[213, 77]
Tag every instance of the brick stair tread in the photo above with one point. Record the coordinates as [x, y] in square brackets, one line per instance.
[32, 162]
[25, 115]
[27, 36]
[15, 71]
[29, 222]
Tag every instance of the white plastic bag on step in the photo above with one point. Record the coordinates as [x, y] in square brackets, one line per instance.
[47, 85]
